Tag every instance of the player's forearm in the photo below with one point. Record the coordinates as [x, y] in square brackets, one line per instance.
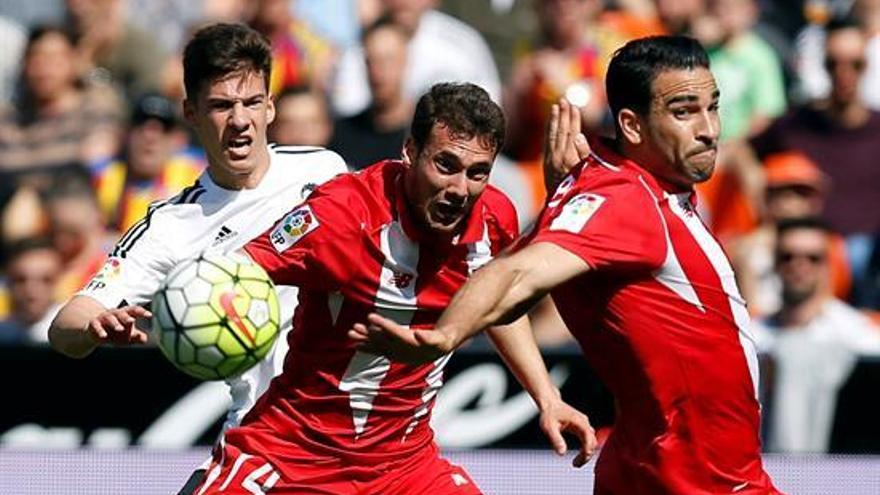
[516, 345]
[495, 294]
[68, 334]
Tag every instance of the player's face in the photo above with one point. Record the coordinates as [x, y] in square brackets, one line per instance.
[801, 261]
[682, 126]
[445, 177]
[230, 116]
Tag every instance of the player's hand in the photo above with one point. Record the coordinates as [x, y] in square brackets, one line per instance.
[559, 418]
[117, 326]
[399, 343]
[564, 144]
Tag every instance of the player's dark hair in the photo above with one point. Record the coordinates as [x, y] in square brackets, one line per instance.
[634, 67]
[221, 49]
[806, 223]
[465, 109]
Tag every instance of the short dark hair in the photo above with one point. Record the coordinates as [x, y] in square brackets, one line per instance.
[841, 23]
[384, 21]
[39, 31]
[20, 247]
[808, 223]
[636, 64]
[464, 108]
[221, 49]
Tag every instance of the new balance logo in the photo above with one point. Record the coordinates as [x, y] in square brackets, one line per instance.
[224, 235]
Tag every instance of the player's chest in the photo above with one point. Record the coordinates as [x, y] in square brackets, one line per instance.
[397, 272]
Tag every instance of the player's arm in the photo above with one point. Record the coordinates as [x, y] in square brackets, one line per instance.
[502, 291]
[516, 345]
[83, 323]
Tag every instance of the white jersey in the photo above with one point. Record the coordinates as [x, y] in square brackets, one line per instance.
[207, 217]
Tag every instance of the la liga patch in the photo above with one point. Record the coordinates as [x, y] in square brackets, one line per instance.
[576, 212]
[293, 227]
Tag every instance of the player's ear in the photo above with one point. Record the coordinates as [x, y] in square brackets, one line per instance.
[270, 110]
[409, 151]
[630, 126]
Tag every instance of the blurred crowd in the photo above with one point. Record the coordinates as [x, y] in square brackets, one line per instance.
[91, 133]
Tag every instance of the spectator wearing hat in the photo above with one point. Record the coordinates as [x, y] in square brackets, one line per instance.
[155, 164]
[794, 188]
[814, 341]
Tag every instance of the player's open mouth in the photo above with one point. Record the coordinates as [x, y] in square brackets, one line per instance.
[239, 147]
[448, 213]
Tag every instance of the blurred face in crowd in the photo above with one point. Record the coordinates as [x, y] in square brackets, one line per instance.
[802, 263]
[445, 177]
[49, 69]
[845, 63]
[790, 201]
[230, 115]
[385, 53]
[734, 16]
[408, 12]
[301, 119]
[271, 15]
[32, 276]
[76, 221]
[677, 15]
[677, 140]
[563, 21]
[150, 144]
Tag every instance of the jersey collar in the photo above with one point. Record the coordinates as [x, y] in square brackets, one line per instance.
[603, 153]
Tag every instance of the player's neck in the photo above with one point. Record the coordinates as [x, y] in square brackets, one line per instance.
[237, 182]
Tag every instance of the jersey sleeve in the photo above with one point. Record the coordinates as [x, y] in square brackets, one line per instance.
[309, 247]
[612, 226]
[135, 268]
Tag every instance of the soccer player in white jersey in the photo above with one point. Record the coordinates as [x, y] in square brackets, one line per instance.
[247, 186]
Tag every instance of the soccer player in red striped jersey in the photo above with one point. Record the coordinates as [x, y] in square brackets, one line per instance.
[398, 238]
[642, 284]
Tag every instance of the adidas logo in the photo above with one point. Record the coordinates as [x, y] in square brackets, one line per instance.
[224, 235]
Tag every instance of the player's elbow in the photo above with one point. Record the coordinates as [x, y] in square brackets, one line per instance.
[67, 340]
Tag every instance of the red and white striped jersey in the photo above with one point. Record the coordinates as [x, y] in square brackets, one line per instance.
[660, 318]
[353, 248]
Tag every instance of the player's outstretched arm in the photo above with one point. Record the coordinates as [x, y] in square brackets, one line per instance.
[83, 324]
[499, 293]
[516, 345]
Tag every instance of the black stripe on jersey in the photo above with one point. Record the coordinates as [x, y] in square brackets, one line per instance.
[188, 195]
[295, 151]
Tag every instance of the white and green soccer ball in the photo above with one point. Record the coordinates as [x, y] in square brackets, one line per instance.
[216, 316]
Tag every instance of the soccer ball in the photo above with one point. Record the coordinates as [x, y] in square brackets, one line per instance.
[216, 316]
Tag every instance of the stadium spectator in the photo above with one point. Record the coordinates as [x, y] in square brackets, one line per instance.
[302, 117]
[813, 340]
[441, 48]
[107, 44]
[155, 164]
[638, 279]
[76, 228]
[299, 56]
[248, 184]
[378, 131]
[568, 62]
[398, 237]
[32, 271]
[795, 188]
[842, 136]
[814, 79]
[56, 120]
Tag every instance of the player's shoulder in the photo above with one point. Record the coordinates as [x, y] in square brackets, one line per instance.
[499, 208]
[307, 159]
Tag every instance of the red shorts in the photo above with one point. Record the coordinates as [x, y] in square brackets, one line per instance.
[233, 472]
